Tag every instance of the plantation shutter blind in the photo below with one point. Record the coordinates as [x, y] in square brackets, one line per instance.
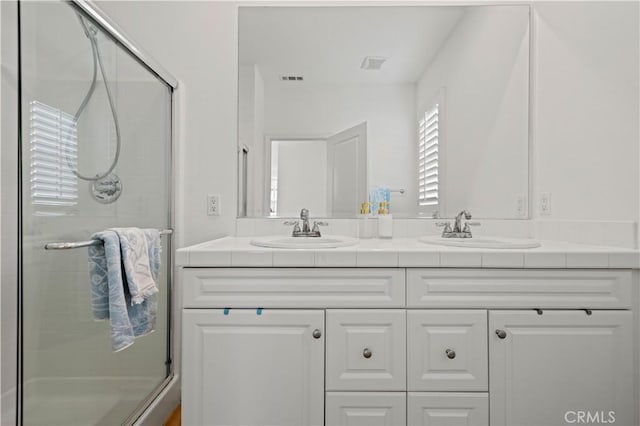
[54, 156]
[428, 158]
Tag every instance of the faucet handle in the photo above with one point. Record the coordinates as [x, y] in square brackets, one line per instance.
[317, 224]
[296, 227]
[468, 225]
[447, 227]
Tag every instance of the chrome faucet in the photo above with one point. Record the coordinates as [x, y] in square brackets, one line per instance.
[458, 230]
[304, 215]
[306, 231]
[457, 226]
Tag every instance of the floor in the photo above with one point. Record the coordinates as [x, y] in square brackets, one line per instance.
[174, 418]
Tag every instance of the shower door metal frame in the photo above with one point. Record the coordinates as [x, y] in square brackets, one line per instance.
[106, 24]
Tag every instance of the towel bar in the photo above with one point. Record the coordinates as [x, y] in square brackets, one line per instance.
[78, 244]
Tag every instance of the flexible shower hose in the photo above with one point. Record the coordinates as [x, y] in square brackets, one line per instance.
[97, 62]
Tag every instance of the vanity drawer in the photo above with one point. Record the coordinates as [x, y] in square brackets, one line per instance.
[293, 288]
[368, 350]
[447, 408]
[447, 350]
[478, 288]
[366, 408]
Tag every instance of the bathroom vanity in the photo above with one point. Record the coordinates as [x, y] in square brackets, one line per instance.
[399, 332]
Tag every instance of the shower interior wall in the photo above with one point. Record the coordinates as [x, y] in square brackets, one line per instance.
[63, 82]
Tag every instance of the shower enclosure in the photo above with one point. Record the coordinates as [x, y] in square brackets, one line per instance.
[95, 153]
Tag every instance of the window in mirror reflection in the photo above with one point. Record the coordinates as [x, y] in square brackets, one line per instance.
[428, 144]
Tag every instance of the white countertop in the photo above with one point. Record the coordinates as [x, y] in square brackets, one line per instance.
[405, 252]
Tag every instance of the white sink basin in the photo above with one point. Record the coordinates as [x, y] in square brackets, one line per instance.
[324, 242]
[482, 242]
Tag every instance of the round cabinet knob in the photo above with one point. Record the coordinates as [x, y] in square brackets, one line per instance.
[317, 333]
[501, 333]
[451, 354]
[367, 353]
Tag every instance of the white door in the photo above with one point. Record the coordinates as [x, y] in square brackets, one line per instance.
[366, 409]
[447, 409]
[347, 171]
[253, 368]
[549, 369]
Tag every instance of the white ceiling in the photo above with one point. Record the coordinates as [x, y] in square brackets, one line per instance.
[327, 44]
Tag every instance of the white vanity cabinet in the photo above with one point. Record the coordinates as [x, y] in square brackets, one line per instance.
[250, 367]
[408, 346]
[547, 367]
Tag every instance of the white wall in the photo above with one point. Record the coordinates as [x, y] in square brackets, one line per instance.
[256, 158]
[302, 176]
[197, 42]
[479, 78]
[322, 111]
[586, 109]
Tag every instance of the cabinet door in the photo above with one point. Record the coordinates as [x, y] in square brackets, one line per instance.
[447, 350]
[366, 409]
[248, 369]
[447, 409]
[546, 369]
[366, 350]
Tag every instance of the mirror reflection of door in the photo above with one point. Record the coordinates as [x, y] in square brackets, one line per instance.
[298, 177]
[328, 176]
[347, 170]
[243, 179]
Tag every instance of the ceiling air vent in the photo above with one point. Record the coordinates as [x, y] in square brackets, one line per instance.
[372, 63]
[291, 78]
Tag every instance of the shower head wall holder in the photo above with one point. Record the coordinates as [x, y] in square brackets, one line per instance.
[106, 190]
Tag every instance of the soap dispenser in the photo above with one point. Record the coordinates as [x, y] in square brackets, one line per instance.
[385, 221]
[365, 222]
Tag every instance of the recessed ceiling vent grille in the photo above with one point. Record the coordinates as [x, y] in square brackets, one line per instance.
[373, 63]
[291, 78]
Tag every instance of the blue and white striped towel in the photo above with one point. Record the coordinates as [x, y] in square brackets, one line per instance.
[129, 300]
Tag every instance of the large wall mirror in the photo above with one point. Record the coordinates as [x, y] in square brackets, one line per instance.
[431, 102]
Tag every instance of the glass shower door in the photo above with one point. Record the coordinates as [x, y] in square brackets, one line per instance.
[73, 131]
